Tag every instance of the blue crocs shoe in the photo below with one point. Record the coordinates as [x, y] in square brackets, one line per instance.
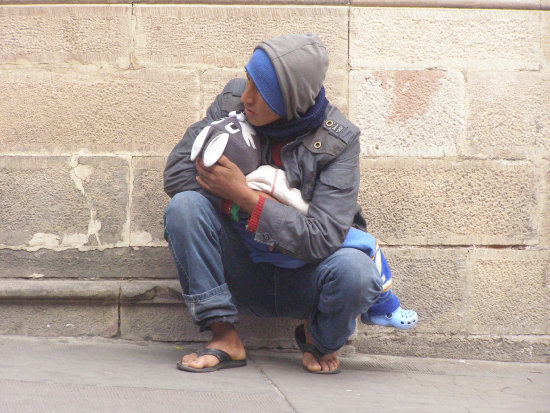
[400, 318]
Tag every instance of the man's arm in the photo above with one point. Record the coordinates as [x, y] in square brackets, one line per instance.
[332, 208]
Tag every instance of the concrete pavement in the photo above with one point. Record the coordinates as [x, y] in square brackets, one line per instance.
[101, 375]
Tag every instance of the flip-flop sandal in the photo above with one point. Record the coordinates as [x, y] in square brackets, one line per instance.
[300, 337]
[400, 318]
[226, 362]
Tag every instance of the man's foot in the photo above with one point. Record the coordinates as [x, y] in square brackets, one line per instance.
[327, 363]
[225, 338]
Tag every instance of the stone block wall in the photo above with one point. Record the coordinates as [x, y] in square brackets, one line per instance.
[454, 108]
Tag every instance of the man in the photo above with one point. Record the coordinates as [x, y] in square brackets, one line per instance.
[274, 261]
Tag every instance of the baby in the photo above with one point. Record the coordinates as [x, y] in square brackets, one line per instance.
[236, 139]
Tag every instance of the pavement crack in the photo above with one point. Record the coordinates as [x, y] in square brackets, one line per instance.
[272, 384]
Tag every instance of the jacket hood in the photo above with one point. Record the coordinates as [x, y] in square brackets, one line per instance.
[300, 62]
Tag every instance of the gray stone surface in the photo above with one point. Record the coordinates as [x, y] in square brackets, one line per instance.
[148, 201]
[225, 36]
[67, 35]
[509, 292]
[449, 202]
[124, 262]
[525, 348]
[408, 112]
[104, 111]
[82, 201]
[508, 115]
[405, 38]
[434, 283]
[90, 375]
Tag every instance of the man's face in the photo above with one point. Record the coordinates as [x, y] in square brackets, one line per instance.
[255, 108]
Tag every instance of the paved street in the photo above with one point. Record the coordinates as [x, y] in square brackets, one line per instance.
[98, 375]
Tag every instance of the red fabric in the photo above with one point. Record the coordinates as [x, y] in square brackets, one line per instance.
[276, 146]
[226, 206]
[255, 215]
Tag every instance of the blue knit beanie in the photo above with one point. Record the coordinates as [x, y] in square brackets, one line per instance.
[261, 71]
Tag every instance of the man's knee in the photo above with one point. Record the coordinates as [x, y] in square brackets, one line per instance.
[355, 274]
[188, 207]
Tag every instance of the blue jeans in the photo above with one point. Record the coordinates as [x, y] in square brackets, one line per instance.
[217, 276]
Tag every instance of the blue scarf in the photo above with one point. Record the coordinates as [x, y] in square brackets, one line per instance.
[312, 119]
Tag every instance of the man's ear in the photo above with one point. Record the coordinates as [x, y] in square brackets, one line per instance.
[214, 149]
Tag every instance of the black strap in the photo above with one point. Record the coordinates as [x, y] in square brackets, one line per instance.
[219, 354]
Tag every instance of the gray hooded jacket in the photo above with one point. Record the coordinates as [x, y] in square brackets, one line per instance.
[323, 164]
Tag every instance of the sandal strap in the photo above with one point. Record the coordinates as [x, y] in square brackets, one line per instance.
[300, 337]
[216, 352]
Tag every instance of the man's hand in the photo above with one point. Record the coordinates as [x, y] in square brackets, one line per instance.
[225, 180]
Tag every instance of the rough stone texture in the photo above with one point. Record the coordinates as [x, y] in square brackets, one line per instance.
[59, 308]
[509, 293]
[546, 39]
[127, 263]
[104, 183]
[52, 290]
[62, 202]
[476, 4]
[213, 81]
[156, 311]
[545, 221]
[66, 35]
[52, 319]
[226, 36]
[142, 111]
[487, 347]
[408, 113]
[508, 115]
[148, 201]
[266, 332]
[393, 38]
[432, 282]
[419, 202]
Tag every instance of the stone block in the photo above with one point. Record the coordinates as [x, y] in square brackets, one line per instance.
[404, 38]
[545, 218]
[508, 115]
[529, 349]
[433, 282]
[474, 4]
[59, 308]
[546, 40]
[141, 111]
[408, 113]
[509, 293]
[443, 202]
[225, 36]
[154, 310]
[127, 263]
[148, 201]
[60, 202]
[266, 332]
[98, 35]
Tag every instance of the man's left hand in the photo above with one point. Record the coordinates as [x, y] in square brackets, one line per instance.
[225, 180]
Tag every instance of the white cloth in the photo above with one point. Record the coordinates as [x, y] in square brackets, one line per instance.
[273, 181]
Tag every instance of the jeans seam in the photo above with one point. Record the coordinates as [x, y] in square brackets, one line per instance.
[176, 258]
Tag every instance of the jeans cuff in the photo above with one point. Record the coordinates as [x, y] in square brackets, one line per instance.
[205, 324]
[214, 303]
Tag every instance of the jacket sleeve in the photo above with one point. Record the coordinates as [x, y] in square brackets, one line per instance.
[332, 208]
[180, 173]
